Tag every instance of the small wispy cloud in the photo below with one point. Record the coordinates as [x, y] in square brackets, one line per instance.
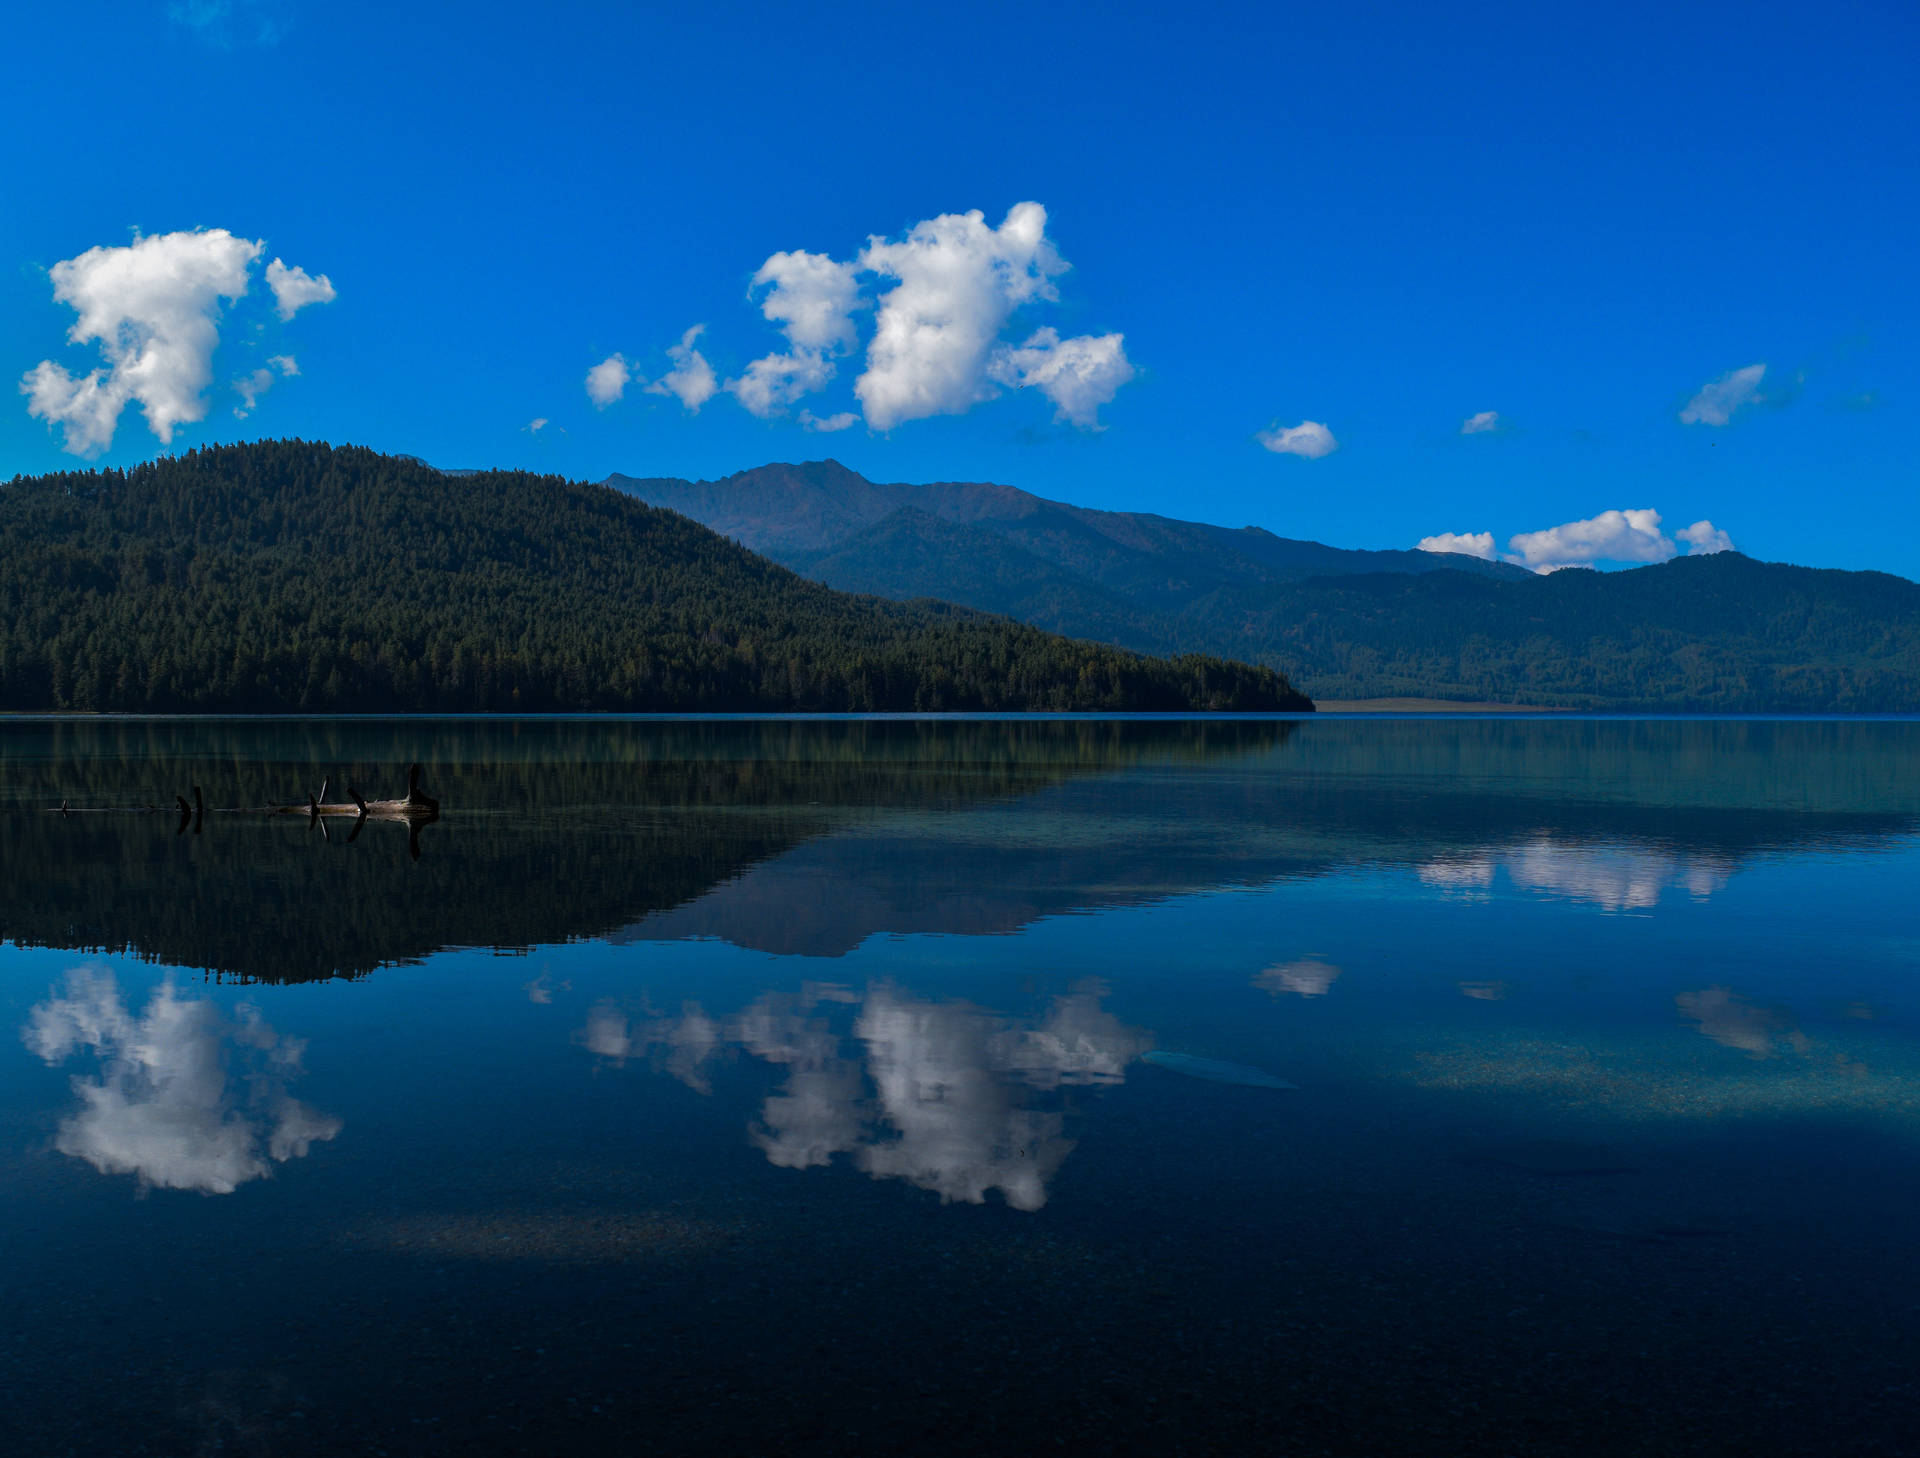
[536, 425]
[1719, 400]
[1485, 422]
[1309, 439]
[828, 424]
[223, 24]
[691, 381]
[250, 387]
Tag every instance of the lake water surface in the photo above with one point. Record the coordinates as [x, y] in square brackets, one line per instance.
[783, 1087]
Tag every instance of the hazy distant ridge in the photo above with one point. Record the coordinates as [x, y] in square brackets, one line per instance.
[1721, 633]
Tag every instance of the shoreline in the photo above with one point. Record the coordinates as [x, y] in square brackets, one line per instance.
[1434, 706]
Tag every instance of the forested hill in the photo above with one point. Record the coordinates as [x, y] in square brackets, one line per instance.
[1722, 633]
[293, 576]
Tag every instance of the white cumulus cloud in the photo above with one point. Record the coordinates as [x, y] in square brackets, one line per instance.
[295, 288]
[1612, 536]
[1309, 439]
[947, 289]
[958, 282]
[1717, 401]
[1703, 539]
[775, 381]
[812, 298]
[1633, 535]
[607, 381]
[691, 380]
[1482, 423]
[1078, 375]
[153, 307]
[536, 425]
[1469, 544]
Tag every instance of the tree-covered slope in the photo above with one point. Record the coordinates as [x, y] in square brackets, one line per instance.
[294, 576]
[1703, 633]
[913, 553]
[1718, 633]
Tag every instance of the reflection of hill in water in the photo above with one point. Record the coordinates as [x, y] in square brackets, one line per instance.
[809, 837]
[552, 829]
[1614, 813]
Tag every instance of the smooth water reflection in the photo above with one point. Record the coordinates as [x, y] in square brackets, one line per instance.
[785, 1087]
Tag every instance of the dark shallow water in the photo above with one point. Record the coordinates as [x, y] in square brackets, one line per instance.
[780, 1088]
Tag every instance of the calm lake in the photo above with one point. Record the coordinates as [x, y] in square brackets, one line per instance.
[902, 1086]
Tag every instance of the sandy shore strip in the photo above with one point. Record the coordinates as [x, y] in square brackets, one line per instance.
[1428, 706]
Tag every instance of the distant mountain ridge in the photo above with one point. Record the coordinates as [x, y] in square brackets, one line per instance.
[814, 511]
[1721, 633]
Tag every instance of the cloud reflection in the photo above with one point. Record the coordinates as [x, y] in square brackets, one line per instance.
[943, 1095]
[187, 1098]
[1307, 977]
[1733, 1022]
[1614, 877]
[681, 1046]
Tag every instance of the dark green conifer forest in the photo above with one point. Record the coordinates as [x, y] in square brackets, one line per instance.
[292, 576]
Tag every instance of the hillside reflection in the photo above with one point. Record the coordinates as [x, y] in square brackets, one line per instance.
[947, 1096]
[809, 838]
[551, 831]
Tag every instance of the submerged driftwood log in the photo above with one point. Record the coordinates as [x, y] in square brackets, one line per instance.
[415, 809]
[416, 804]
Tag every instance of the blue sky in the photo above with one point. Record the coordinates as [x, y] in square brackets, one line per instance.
[1380, 221]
